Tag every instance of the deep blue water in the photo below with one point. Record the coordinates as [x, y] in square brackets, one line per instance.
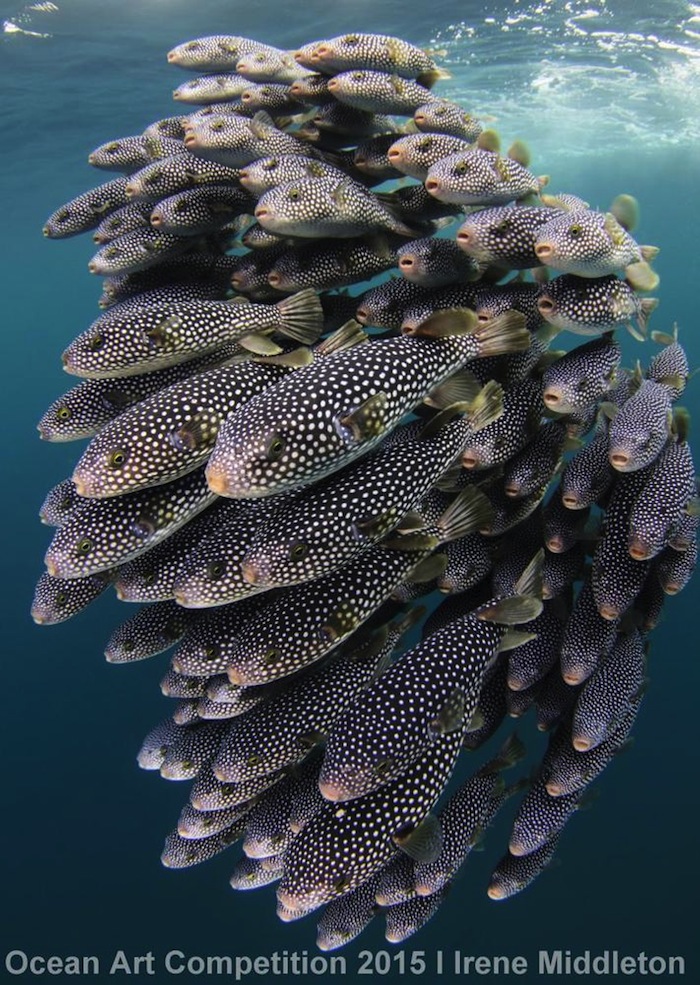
[607, 95]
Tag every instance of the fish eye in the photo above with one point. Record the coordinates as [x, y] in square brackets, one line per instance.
[271, 165]
[277, 840]
[64, 413]
[212, 651]
[192, 46]
[61, 599]
[271, 655]
[112, 148]
[149, 577]
[575, 230]
[440, 111]
[111, 252]
[342, 883]
[260, 58]
[254, 759]
[426, 143]
[153, 176]
[66, 503]
[85, 546]
[143, 526]
[383, 767]
[327, 634]
[298, 551]
[216, 125]
[215, 569]
[275, 448]
[128, 646]
[462, 167]
[305, 742]
[180, 206]
[357, 76]
[293, 194]
[502, 227]
[116, 458]
[350, 39]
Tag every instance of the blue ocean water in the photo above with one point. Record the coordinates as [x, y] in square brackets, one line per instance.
[607, 94]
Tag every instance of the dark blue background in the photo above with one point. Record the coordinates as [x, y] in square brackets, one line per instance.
[82, 826]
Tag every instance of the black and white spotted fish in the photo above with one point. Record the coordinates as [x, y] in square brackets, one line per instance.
[195, 749]
[272, 98]
[253, 873]
[170, 433]
[216, 53]
[594, 244]
[281, 731]
[532, 661]
[416, 153]
[210, 794]
[334, 520]
[442, 116]
[562, 527]
[174, 174]
[431, 691]
[339, 408]
[59, 503]
[160, 335]
[465, 817]
[373, 52]
[271, 65]
[540, 817]
[588, 475]
[194, 824]
[224, 141]
[128, 154]
[58, 599]
[135, 251]
[592, 305]
[515, 873]
[640, 428]
[326, 266]
[582, 376]
[504, 235]
[268, 832]
[174, 685]
[669, 487]
[407, 918]
[181, 853]
[346, 844]
[135, 215]
[384, 306]
[104, 533]
[435, 263]
[506, 436]
[208, 89]
[311, 89]
[211, 574]
[567, 770]
[151, 577]
[536, 463]
[378, 92]
[674, 569]
[265, 173]
[169, 127]
[89, 406]
[346, 917]
[325, 206]
[201, 210]
[156, 744]
[370, 158]
[670, 365]
[396, 882]
[481, 177]
[469, 560]
[87, 210]
[608, 693]
[319, 615]
[588, 637]
[152, 630]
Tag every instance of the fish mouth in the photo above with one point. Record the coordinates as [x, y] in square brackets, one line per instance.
[554, 789]
[571, 502]
[332, 791]
[609, 612]
[288, 901]
[619, 459]
[545, 305]
[512, 490]
[464, 238]
[555, 544]
[496, 892]
[552, 397]
[471, 459]
[581, 744]
[362, 315]
[251, 573]
[156, 220]
[517, 848]
[407, 262]
[394, 154]
[261, 213]
[638, 549]
[432, 185]
[190, 139]
[217, 480]
[574, 676]
[544, 251]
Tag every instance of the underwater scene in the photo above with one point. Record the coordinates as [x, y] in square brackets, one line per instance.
[352, 394]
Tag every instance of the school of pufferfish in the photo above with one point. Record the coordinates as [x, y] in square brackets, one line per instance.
[281, 472]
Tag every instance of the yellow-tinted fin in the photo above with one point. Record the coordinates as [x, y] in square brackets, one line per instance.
[462, 387]
[439, 421]
[260, 345]
[429, 568]
[451, 715]
[663, 338]
[364, 422]
[641, 277]
[625, 208]
[469, 511]
[476, 722]
[510, 753]
[375, 527]
[445, 323]
[520, 152]
[681, 424]
[511, 611]
[488, 140]
[295, 359]
[345, 337]
[422, 842]
[433, 75]
[649, 252]
[397, 84]
[302, 316]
